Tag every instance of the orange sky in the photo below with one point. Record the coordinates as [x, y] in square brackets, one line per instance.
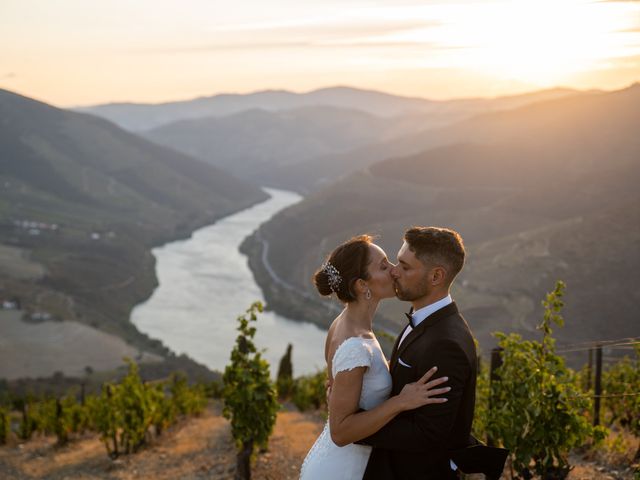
[74, 52]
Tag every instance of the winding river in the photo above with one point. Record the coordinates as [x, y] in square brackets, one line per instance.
[205, 283]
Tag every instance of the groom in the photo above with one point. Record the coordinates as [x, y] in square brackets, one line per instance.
[434, 441]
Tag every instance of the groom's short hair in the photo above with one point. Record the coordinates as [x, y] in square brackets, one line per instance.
[437, 246]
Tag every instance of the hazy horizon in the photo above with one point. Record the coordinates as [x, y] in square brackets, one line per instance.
[302, 92]
[71, 53]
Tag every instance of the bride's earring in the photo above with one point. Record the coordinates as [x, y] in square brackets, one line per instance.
[368, 294]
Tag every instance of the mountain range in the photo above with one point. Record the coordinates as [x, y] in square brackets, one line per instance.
[301, 141]
[142, 117]
[542, 192]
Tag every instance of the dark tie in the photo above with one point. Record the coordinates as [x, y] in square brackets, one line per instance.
[410, 317]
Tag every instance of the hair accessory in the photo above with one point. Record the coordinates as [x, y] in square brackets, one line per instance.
[334, 276]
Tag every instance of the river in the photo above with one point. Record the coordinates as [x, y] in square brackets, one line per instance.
[205, 283]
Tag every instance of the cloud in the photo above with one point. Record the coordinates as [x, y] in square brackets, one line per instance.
[7, 76]
[305, 34]
[304, 45]
[631, 62]
[329, 27]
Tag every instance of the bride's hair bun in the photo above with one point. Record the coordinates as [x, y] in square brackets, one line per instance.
[321, 280]
[346, 264]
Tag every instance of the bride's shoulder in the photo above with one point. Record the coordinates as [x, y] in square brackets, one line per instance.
[351, 352]
[349, 342]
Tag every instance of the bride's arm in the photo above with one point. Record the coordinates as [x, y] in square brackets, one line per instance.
[349, 424]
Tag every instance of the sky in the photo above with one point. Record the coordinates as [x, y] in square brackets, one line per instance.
[83, 52]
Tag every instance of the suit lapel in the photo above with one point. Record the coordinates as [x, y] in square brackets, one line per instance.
[431, 320]
[394, 351]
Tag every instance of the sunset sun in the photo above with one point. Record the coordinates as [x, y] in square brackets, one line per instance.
[541, 42]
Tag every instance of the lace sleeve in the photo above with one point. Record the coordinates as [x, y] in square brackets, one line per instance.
[352, 353]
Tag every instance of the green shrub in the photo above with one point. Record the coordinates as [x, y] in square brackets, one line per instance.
[481, 415]
[310, 391]
[52, 418]
[135, 408]
[163, 410]
[5, 425]
[250, 397]
[622, 381]
[104, 415]
[76, 415]
[28, 424]
[538, 411]
[187, 400]
[214, 389]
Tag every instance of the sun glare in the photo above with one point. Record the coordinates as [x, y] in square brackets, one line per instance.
[153, 51]
[543, 42]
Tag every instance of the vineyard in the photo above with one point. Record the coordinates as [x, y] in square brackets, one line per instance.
[541, 410]
[126, 415]
[528, 401]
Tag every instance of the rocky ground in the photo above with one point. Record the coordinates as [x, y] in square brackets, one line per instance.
[197, 448]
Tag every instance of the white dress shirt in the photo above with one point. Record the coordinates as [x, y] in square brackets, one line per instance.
[419, 315]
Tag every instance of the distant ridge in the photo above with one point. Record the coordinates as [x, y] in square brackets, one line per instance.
[304, 141]
[140, 117]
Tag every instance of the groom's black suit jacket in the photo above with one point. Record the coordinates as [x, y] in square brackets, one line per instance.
[418, 444]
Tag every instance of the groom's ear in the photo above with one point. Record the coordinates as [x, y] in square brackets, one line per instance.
[438, 275]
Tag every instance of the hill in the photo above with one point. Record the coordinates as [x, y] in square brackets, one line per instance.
[543, 192]
[479, 124]
[81, 204]
[260, 144]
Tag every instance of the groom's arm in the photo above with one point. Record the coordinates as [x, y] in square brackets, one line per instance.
[427, 427]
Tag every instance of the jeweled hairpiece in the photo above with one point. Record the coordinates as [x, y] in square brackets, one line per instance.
[334, 276]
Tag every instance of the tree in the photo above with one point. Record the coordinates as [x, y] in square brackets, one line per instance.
[250, 397]
[285, 374]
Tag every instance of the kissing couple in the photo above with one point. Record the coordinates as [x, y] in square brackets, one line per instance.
[409, 418]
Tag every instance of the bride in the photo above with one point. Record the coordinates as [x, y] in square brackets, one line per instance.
[358, 273]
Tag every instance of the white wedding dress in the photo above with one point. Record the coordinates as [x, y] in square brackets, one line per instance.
[325, 460]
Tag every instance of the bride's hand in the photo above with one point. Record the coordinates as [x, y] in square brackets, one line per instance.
[422, 392]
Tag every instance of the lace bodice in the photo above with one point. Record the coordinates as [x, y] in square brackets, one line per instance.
[364, 352]
[326, 459]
